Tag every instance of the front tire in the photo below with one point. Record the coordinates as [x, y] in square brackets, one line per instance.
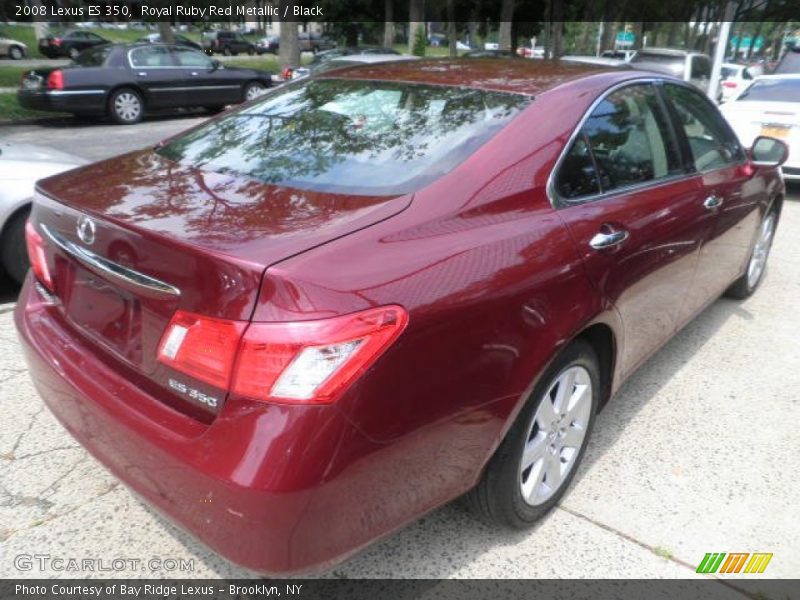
[748, 283]
[226, 51]
[253, 90]
[12, 247]
[535, 463]
[15, 53]
[126, 106]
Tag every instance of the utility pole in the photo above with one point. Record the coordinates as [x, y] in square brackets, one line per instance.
[719, 52]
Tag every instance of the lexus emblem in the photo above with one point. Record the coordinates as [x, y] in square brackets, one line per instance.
[86, 230]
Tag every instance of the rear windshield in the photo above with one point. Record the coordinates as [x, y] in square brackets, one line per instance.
[359, 137]
[94, 57]
[773, 90]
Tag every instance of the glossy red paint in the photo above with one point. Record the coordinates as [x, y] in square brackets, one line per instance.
[495, 282]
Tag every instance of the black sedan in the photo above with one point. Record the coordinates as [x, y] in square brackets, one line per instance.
[180, 40]
[126, 81]
[70, 44]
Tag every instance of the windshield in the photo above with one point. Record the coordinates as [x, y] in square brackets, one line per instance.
[359, 137]
[773, 90]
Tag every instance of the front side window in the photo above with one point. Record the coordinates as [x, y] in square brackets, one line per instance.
[374, 137]
[712, 143]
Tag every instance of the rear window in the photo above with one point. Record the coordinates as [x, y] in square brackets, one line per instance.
[94, 57]
[773, 90]
[361, 137]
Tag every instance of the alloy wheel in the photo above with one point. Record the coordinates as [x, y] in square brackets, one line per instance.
[758, 260]
[253, 90]
[15, 53]
[127, 106]
[556, 435]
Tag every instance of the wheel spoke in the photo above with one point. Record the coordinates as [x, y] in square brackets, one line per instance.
[545, 415]
[573, 437]
[534, 450]
[553, 472]
[566, 383]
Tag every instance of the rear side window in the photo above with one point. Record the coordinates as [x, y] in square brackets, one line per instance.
[701, 67]
[712, 143]
[577, 175]
[369, 137]
[158, 56]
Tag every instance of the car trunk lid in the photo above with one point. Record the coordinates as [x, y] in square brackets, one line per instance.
[133, 239]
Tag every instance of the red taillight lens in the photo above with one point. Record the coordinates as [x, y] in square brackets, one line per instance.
[56, 42]
[202, 347]
[36, 255]
[729, 84]
[307, 362]
[287, 73]
[55, 81]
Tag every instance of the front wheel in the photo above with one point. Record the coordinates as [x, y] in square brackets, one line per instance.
[15, 53]
[534, 465]
[126, 106]
[748, 283]
[73, 53]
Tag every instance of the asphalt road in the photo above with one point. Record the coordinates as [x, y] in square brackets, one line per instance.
[697, 453]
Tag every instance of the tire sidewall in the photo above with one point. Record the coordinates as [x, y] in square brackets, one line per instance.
[13, 250]
[517, 511]
[15, 53]
[248, 87]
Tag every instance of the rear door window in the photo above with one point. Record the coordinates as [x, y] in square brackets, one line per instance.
[158, 56]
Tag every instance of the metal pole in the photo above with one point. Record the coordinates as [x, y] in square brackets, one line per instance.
[719, 52]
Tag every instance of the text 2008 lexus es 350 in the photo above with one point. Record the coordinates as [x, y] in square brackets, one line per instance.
[301, 325]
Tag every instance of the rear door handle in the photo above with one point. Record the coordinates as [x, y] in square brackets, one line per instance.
[712, 202]
[142, 74]
[610, 239]
[194, 72]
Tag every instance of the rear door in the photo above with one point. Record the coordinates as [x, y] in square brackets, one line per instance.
[730, 193]
[634, 213]
[155, 72]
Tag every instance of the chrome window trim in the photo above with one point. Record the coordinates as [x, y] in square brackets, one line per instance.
[115, 271]
[557, 202]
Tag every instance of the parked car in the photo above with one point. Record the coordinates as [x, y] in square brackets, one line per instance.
[313, 42]
[70, 44]
[692, 67]
[13, 49]
[229, 43]
[490, 54]
[351, 60]
[597, 60]
[528, 52]
[624, 55]
[733, 79]
[789, 64]
[375, 290]
[180, 40]
[327, 55]
[127, 81]
[20, 166]
[769, 106]
[271, 44]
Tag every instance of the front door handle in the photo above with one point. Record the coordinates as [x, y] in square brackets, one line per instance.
[712, 202]
[142, 74]
[194, 73]
[604, 240]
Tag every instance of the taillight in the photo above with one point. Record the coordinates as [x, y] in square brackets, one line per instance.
[306, 362]
[202, 347]
[55, 81]
[287, 73]
[729, 84]
[36, 256]
[56, 42]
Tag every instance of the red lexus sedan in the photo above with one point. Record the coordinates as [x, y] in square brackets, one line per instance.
[305, 323]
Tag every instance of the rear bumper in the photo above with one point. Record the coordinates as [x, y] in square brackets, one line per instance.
[78, 102]
[275, 489]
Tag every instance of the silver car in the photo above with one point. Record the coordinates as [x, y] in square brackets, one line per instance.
[12, 48]
[692, 67]
[21, 165]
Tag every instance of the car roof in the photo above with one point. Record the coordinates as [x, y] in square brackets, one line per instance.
[529, 77]
[778, 76]
[668, 52]
[367, 59]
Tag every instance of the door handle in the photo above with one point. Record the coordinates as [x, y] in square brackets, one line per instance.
[712, 202]
[194, 72]
[142, 74]
[604, 240]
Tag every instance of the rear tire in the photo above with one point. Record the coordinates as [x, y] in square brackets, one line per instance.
[15, 53]
[546, 442]
[253, 90]
[226, 51]
[126, 106]
[73, 53]
[12, 247]
[748, 283]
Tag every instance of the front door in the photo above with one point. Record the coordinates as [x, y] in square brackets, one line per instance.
[204, 80]
[634, 213]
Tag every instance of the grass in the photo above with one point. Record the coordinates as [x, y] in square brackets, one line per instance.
[11, 111]
[10, 75]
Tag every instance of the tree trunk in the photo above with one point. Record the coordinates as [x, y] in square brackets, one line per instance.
[672, 33]
[451, 27]
[416, 19]
[472, 34]
[40, 28]
[290, 46]
[556, 28]
[506, 18]
[165, 31]
[388, 24]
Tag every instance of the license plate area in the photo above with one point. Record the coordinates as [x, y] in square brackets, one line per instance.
[32, 82]
[106, 313]
[775, 131]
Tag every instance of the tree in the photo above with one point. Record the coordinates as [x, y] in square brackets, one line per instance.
[290, 44]
[451, 27]
[506, 20]
[388, 24]
[416, 21]
[165, 31]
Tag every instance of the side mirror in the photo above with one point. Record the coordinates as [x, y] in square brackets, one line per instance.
[768, 152]
[215, 64]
